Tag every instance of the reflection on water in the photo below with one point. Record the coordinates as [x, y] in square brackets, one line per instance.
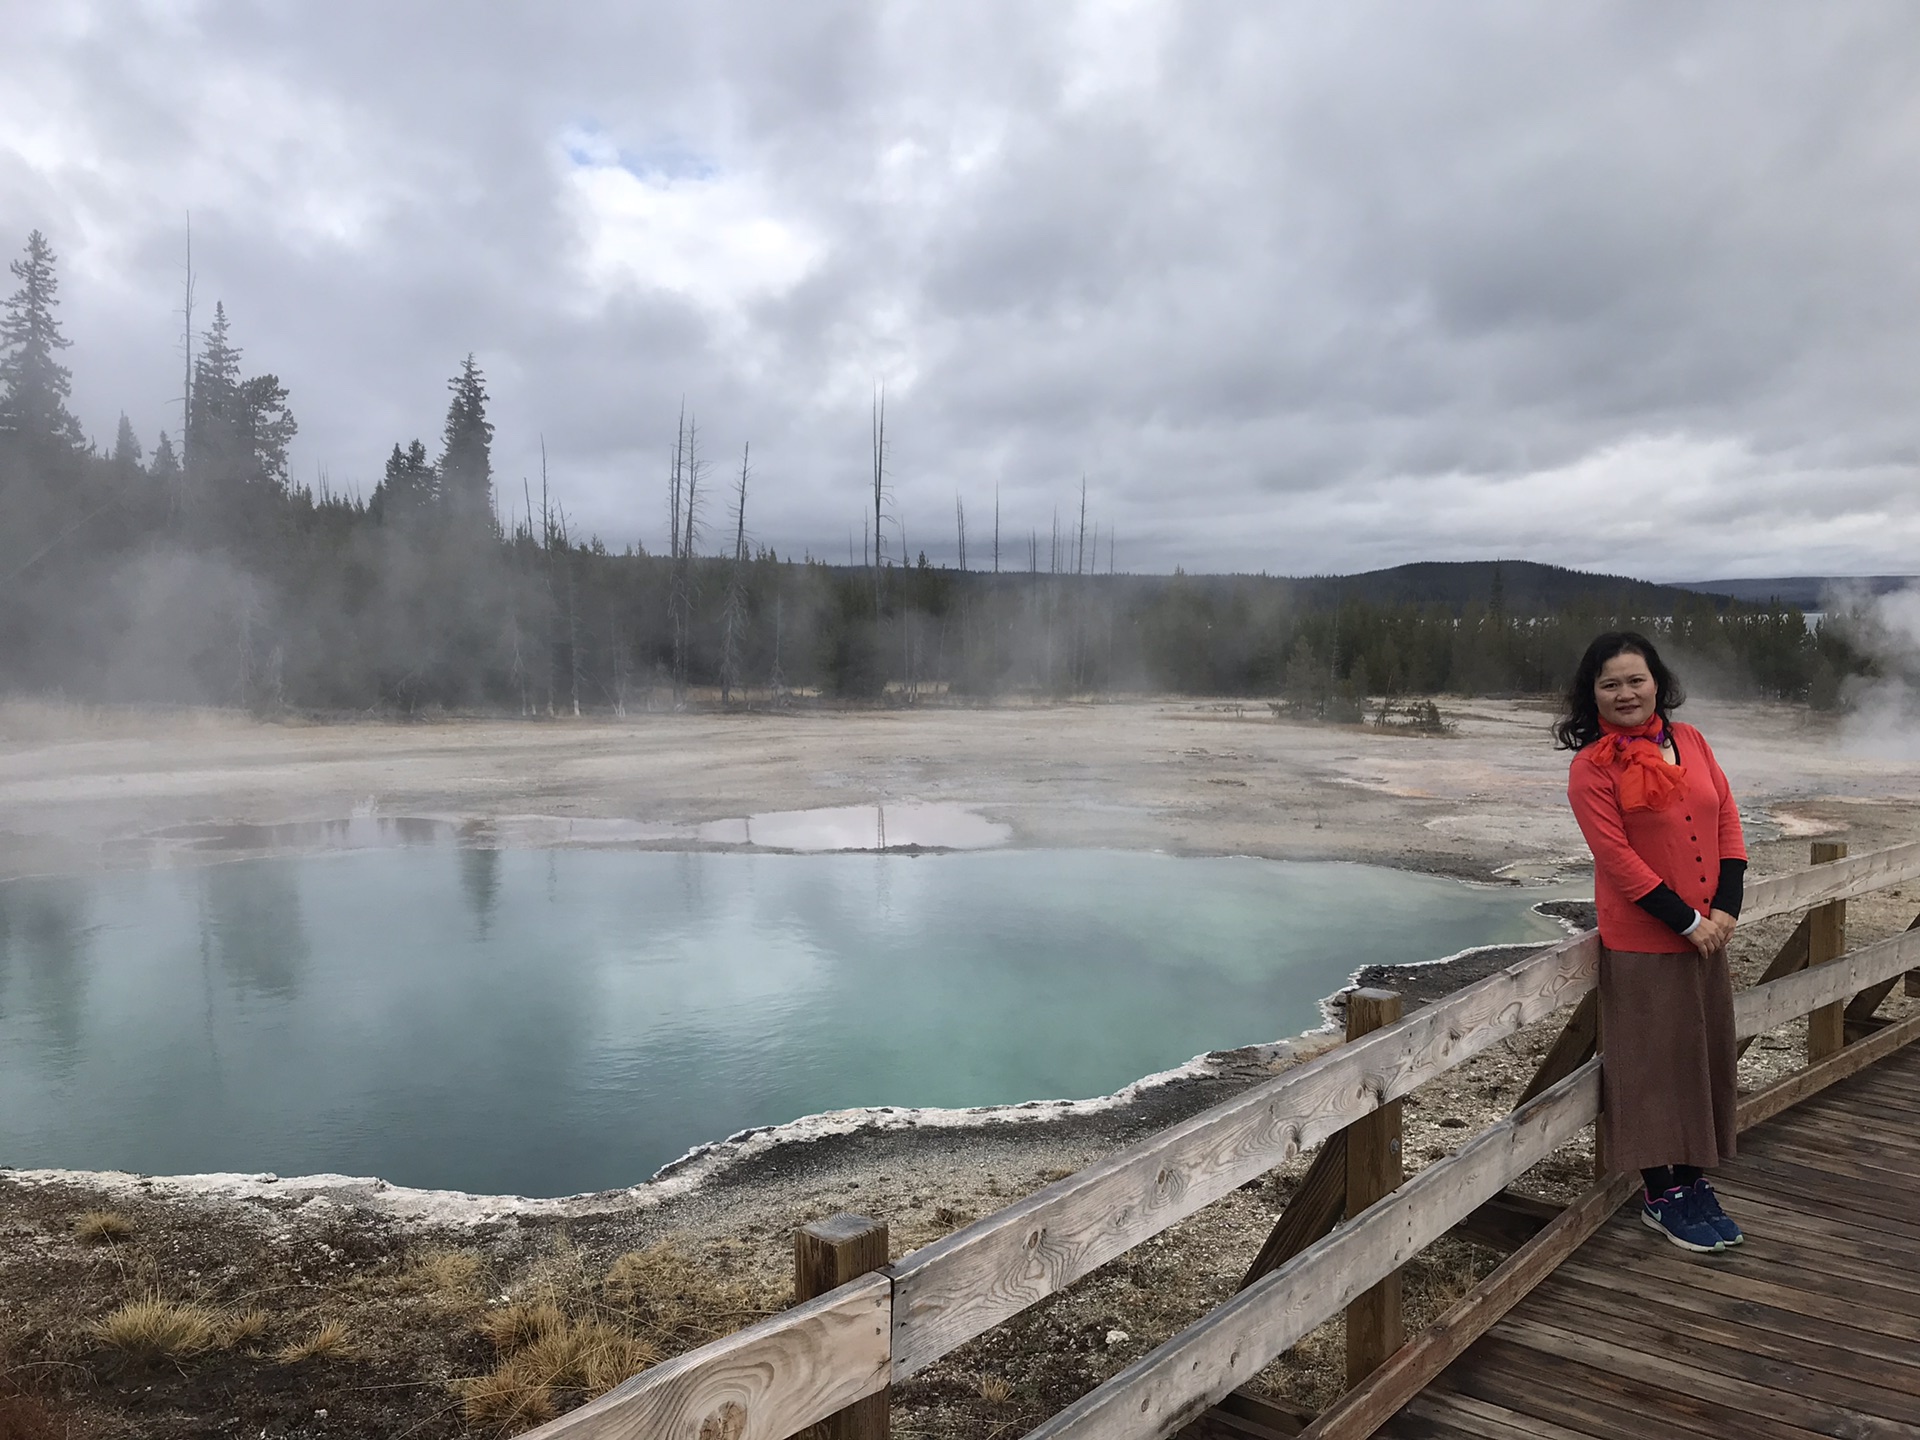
[251, 923]
[861, 827]
[545, 1022]
[43, 935]
[480, 882]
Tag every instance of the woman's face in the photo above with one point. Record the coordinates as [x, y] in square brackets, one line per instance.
[1625, 691]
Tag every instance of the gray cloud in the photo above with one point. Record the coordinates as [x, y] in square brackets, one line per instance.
[1297, 288]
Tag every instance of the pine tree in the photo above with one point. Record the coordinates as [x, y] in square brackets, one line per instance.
[127, 454]
[34, 385]
[408, 488]
[466, 462]
[238, 429]
[166, 464]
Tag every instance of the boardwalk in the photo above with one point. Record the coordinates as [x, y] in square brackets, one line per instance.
[1811, 1328]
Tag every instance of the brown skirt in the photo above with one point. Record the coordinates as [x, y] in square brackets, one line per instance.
[1667, 1059]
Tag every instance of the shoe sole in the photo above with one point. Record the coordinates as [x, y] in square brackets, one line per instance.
[1653, 1224]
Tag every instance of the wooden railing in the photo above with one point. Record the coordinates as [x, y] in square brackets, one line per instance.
[815, 1360]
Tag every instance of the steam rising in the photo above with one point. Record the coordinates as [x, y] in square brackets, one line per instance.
[1884, 723]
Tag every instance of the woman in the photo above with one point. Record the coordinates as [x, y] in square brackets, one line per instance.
[1668, 867]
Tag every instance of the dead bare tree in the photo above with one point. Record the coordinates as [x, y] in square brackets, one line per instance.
[879, 485]
[960, 525]
[186, 385]
[734, 627]
[680, 594]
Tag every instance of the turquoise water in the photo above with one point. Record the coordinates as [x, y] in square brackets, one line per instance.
[548, 1022]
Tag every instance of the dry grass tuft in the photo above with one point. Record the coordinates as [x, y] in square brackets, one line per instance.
[667, 1296]
[244, 1327]
[159, 1329]
[995, 1389]
[102, 1227]
[329, 1342]
[451, 1273]
[548, 1359]
[513, 1327]
[503, 1399]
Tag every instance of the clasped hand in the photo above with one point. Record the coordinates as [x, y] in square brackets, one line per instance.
[1712, 933]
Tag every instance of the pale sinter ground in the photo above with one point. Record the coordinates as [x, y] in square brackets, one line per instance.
[81, 788]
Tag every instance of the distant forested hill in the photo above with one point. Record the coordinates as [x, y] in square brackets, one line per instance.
[1807, 592]
[1523, 587]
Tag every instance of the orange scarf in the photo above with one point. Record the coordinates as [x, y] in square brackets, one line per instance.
[1646, 781]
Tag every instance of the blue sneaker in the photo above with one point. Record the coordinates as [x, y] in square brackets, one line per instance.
[1706, 1205]
[1674, 1216]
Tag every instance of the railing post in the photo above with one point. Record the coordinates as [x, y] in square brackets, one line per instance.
[826, 1255]
[1374, 1328]
[1827, 940]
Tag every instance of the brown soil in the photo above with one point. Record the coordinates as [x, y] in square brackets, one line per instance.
[417, 1321]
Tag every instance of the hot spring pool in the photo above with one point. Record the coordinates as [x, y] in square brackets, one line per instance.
[548, 1022]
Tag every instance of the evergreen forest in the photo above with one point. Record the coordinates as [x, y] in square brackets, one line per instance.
[199, 572]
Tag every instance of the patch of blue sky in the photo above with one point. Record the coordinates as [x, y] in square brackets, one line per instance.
[661, 162]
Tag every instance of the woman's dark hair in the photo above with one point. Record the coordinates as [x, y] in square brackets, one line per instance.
[1579, 724]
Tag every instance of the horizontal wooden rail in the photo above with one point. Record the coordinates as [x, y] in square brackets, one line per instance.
[956, 1288]
[1169, 1387]
[1835, 880]
[762, 1383]
[1766, 1007]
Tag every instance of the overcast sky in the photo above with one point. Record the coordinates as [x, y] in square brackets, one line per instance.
[1296, 287]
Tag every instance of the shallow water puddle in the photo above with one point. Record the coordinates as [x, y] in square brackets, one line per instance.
[862, 827]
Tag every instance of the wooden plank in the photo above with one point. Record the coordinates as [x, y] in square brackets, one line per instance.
[1816, 1188]
[761, 1383]
[955, 1288]
[1856, 875]
[1480, 1417]
[1791, 957]
[1357, 1413]
[827, 1255]
[1375, 1328]
[1815, 1368]
[1571, 1048]
[1776, 1396]
[1316, 1207]
[1827, 942]
[1613, 1406]
[1888, 1151]
[1767, 1007]
[1163, 1390]
[1762, 1104]
[1734, 1279]
[1782, 1327]
[1777, 1215]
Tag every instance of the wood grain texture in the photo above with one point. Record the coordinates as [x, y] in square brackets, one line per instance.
[1826, 942]
[826, 1255]
[763, 1383]
[1375, 1328]
[1359, 1412]
[1767, 1007]
[973, 1279]
[1164, 1390]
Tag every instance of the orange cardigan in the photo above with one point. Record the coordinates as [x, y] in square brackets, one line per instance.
[1636, 852]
